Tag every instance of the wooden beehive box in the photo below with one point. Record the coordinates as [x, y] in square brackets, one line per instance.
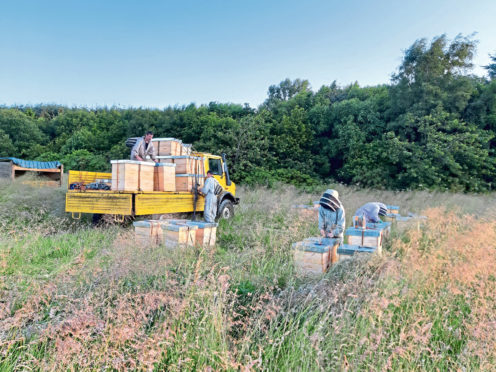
[364, 237]
[313, 255]
[130, 175]
[186, 149]
[347, 250]
[149, 232]
[167, 146]
[206, 234]
[185, 164]
[164, 178]
[179, 235]
[393, 209]
[185, 182]
[384, 226]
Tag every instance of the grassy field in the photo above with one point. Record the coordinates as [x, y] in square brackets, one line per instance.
[73, 297]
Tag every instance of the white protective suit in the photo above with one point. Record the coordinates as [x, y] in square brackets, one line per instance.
[210, 211]
[370, 211]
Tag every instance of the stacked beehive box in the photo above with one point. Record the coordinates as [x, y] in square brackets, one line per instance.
[167, 146]
[130, 175]
[165, 177]
[185, 164]
[185, 182]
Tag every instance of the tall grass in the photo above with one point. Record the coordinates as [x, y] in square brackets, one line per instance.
[75, 297]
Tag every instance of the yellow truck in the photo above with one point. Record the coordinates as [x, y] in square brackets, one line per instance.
[137, 203]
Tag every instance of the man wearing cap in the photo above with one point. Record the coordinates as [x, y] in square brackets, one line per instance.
[371, 212]
[331, 220]
[143, 147]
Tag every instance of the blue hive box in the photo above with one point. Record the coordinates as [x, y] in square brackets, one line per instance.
[384, 226]
[350, 250]
[365, 237]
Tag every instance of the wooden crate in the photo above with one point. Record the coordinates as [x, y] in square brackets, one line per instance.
[313, 255]
[185, 182]
[175, 235]
[185, 164]
[164, 178]
[186, 149]
[149, 232]
[167, 146]
[364, 237]
[346, 251]
[130, 175]
[206, 234]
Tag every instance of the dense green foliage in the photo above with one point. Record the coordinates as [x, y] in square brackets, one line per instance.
[433, 127]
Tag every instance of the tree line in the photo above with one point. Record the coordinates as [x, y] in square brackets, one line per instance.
[432, 127]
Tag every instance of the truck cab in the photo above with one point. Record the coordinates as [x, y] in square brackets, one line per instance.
[226, 200]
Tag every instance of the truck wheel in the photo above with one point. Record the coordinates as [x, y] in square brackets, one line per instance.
[226, 210]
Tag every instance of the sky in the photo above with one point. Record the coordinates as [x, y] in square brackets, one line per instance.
[151, 53]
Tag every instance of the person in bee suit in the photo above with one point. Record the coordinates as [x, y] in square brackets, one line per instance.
[372, 212]
[332, 220]
[210, 190]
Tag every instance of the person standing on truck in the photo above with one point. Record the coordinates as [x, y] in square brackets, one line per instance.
[332, 220]
[144, 147]
[371, 212]
[210, 211]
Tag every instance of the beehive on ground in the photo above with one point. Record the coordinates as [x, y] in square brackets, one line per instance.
[393, 209]
[384, 226]
[364, 237]
[149, 232]
[206, 233]
[175, 235]
[313, 255]
[131, 175]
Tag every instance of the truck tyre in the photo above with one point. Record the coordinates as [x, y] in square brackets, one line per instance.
[226, 210]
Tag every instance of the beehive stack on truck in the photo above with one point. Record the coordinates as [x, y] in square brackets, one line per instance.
[138, 188]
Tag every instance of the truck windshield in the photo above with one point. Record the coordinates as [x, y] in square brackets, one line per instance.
[215, 166]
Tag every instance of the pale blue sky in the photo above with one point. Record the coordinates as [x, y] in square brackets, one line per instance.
[161, 53]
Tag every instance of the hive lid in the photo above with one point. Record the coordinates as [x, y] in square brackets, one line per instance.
[166, 139]
[188, 175]
[350, 250]
[200, 224]
[132, 162]
[393, 207]
[379, 225]
[175, 227]
[178, 157]
[149, 223]
[317, 245]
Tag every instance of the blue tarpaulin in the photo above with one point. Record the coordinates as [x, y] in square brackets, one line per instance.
[32, 164]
